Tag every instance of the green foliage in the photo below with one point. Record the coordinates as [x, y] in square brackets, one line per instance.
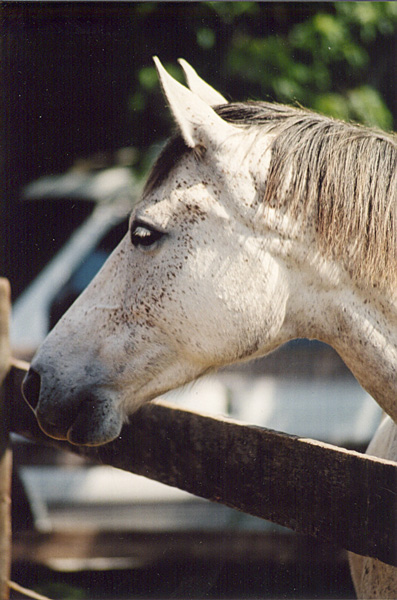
[230, 11]
[326, 62]
[371, 18]
[367, 106]
[333, 57]
[206, 38]
[61, 591]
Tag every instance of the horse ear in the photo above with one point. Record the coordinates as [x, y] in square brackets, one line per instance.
[200, 87]
[198, 122]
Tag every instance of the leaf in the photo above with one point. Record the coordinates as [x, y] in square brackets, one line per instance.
[368, 106]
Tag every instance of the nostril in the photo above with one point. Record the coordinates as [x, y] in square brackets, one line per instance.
[31, 388]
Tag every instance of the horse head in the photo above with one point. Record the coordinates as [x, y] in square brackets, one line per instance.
[208, 275]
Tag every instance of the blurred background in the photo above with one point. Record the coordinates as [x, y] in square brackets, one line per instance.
[83, 119]
[79, 83]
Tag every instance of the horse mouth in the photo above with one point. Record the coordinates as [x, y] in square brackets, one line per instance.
[91, 425]
[90, 419]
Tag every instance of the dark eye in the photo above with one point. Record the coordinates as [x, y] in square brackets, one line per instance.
[144, 235]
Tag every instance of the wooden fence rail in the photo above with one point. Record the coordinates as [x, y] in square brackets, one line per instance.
[5, 452]
[341, 496]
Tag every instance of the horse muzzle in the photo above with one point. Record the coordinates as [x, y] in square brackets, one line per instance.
[82, 417]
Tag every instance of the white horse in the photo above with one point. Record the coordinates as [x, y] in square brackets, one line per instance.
[259, 223]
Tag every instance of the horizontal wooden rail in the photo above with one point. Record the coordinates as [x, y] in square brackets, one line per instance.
[333, 494]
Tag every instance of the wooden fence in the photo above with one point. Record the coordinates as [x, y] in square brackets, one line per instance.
[343, 497]
[5, 453]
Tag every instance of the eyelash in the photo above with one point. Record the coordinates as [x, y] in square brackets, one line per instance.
[143, 235]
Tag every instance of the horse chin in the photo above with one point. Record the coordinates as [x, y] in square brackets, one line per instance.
[94, 429]
[95, 424]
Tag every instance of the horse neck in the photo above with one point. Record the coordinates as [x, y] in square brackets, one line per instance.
[358, 321]
[363, 330]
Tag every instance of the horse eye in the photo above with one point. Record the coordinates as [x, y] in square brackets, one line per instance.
[143, 235]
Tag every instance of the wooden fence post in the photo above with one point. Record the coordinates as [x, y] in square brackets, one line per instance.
[5, 451]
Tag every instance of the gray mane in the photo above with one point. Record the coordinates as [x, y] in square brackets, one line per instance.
[342, 177]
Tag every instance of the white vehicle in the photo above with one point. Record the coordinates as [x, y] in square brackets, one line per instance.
[112, 193]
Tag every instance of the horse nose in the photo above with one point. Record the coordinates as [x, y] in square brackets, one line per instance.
[31, 388]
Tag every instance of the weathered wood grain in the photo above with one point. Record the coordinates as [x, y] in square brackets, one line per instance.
[5, 452]
[333, 494]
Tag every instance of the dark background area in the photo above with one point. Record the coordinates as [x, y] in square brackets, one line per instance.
[78, 80]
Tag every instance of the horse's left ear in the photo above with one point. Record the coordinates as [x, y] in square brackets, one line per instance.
[198, 122]
[200, 87]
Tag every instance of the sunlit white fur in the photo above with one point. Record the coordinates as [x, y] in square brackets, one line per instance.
[230, 280]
